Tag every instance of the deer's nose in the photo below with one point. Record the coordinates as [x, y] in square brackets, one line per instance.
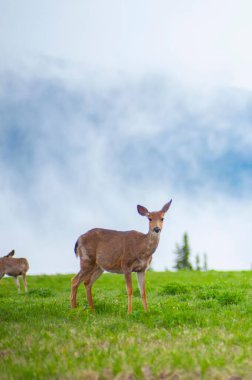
[156, 229]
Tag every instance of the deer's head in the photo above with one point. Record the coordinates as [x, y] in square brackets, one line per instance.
[156, 218]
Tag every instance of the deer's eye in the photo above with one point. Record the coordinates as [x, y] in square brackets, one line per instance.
[162, 219]
[150, 219]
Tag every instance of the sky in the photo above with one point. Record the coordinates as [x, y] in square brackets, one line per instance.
[108, 104]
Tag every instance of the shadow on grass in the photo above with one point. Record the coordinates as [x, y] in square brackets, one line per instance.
[41, 292]
[204, 292]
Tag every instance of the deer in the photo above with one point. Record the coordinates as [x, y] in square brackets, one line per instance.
[14, 267]
[121, 252]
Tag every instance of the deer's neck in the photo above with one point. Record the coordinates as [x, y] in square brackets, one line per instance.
[152, 240]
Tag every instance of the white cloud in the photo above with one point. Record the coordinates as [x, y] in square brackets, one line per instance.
[73, 165]
[198, 43]
[148, 110]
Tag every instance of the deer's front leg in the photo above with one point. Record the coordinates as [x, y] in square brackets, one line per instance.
[128, 280]
[141, 284]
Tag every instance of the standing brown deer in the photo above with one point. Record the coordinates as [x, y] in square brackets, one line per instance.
[121, 252]
[14, 267]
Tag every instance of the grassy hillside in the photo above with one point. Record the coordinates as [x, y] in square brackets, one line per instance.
[199, 327]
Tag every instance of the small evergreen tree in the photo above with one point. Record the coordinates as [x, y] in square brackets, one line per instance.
[179, 258]
[183, 255]
[205, 268]
[197, 261]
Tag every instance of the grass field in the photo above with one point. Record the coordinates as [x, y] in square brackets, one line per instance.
[199, 326]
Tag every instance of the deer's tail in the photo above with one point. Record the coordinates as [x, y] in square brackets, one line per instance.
[76, 249]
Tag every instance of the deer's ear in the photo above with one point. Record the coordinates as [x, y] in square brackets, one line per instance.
[166, 206]
[142, 210]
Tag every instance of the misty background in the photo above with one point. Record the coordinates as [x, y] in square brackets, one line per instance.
[106, 105]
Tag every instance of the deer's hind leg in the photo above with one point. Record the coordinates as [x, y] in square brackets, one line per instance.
[88, 282]
[128, 279]
[16, 279]
[25, 282]
[74, 288]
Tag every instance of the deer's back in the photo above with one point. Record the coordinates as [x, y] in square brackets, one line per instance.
[102, 239]
[13, 267]
[110, 249]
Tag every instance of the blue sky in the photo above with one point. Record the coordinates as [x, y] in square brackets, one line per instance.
[105, 107]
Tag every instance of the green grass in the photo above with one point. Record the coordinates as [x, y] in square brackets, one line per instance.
[199, 326]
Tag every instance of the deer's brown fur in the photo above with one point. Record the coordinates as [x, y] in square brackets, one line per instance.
[14, 267]
[121, 252]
